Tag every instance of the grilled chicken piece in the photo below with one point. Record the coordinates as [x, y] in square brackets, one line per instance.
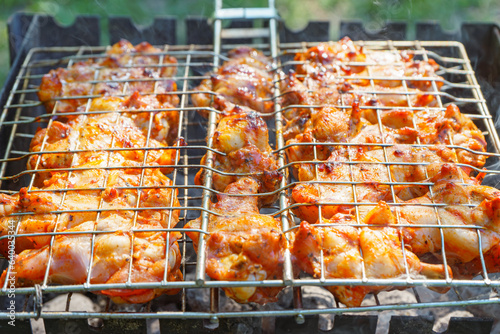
[84, 199]
[87, 145]
[243, 245]
[92, 197]
[243, 142]
[326, 61]
[390, 96]
[327, 125]
[466, 204]
[330, 190]
[336, 74]
[242, 80]
[82, 138]
[451, 127]
[346, 249]
[302, 99]
[158, 120]
[333, 125]
[330, 56]
[333, 186]
[118, 254]
[354, 125]
[125, 69]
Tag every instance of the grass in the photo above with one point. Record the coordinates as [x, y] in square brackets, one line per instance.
[296, 13]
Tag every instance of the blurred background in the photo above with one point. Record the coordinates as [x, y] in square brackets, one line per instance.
[295, 13]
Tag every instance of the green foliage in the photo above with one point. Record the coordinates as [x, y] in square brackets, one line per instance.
[375, 13]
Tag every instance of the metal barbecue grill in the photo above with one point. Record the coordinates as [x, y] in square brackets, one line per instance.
[22, 114]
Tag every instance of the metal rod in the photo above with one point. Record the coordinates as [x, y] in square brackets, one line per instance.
[212, 119]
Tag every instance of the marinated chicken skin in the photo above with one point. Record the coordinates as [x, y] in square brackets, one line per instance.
[153, 114]
[118, 194]
[302, 99]
[123, 70]
[346, 249]
[326, 61]
[114, 260]
[243, 142]
[354, 125]
[86, 136]
[242, 80]
[331, 183]
[331, 187]
[242, 245]
[119, 208]
[466, 204]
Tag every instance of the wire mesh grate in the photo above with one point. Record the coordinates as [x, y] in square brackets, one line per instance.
[23, 114]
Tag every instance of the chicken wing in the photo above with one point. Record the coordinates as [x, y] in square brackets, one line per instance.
[346, 252]
[327, 187]
[87, 136]
[121, 253]
[353, 175]
[243, 142]
[242, 80]
[86, 194]
[302, 99]
[465, 204]
[400, 126]
[124, 69]
[242, 245]
[388, 68]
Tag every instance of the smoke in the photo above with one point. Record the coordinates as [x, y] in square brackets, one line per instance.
[493, 100]
[492, 179]
[493, 163]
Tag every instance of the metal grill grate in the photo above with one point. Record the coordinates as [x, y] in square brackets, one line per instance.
[460, 87]
[23, 114]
